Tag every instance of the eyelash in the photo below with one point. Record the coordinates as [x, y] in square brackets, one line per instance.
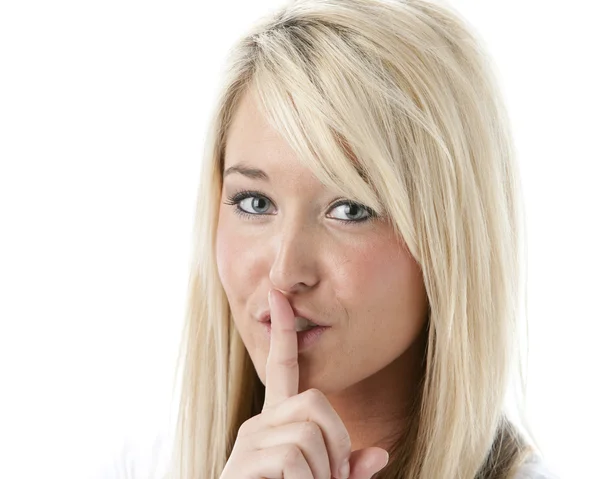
[234, 200]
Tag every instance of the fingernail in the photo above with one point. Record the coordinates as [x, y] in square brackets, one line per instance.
[387, 460]
[345, 470]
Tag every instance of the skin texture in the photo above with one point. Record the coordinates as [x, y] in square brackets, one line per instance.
[356, 277]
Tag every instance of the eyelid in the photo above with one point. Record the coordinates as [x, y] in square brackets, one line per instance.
[238, 197]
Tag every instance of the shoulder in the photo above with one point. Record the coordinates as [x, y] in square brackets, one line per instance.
[139, 458]
[535, 468]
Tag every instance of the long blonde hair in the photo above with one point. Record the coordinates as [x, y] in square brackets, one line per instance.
[393, 103]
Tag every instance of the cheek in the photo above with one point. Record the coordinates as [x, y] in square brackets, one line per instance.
[369, 271]
[235, 271]
[381, 286]
[238, 266]
[225, 252]
[231, 257]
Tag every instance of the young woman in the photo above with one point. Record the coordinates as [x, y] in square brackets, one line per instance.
[356, 288]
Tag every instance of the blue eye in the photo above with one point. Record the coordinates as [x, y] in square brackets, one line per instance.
[259, 204]
[352, 209]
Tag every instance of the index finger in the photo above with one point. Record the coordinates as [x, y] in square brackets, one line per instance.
[282, 371]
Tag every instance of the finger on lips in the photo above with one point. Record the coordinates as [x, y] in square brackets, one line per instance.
[282, 383]
[282, 371]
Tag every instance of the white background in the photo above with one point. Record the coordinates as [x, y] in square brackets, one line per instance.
[103, 109]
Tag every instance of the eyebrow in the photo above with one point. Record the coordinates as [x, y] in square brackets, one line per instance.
[253, 173]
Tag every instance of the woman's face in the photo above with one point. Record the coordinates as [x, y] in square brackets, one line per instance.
[355, 276]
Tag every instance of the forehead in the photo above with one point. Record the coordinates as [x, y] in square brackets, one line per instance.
[254, 143]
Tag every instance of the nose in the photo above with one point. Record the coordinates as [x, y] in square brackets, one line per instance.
[294, 266]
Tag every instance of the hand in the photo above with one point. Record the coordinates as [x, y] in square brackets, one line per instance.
[296, 436]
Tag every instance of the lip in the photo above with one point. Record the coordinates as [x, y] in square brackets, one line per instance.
[305, 338]
[265, 317]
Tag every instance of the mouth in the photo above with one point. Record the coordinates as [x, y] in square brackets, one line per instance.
[302, 324]
[306, 337]
[304, 321]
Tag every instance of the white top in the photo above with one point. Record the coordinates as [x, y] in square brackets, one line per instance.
[149, 461]
[535, 468]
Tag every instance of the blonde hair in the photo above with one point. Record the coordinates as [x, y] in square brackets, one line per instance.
[394, 104]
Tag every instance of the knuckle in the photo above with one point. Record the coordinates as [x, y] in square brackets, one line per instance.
[315, 397]
[292, 455]
[246, 427]
[344, 441]
[243, 429]
[310, 429]
[289, 362]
